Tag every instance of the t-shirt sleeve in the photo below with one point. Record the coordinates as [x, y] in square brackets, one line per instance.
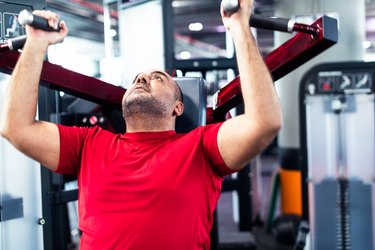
[71, 144]
[211, 149]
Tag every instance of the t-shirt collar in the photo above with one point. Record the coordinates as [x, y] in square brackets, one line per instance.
[148, 135]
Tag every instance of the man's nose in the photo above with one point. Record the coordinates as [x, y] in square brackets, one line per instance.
[143, 78]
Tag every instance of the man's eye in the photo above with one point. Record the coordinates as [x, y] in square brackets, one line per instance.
[156, 77]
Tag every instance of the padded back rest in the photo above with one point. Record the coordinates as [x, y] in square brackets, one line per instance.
[195, 103]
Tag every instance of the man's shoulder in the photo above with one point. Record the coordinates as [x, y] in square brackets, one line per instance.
[202, 130]
[88, 132]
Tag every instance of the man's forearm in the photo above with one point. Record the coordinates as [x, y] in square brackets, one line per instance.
[252, 131]
[21, 98]
[260, 99]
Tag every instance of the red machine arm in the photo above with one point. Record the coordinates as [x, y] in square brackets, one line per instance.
[293, 53]
[59, 78]
[290, 55]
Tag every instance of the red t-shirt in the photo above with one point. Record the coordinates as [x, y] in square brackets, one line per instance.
[146, 190]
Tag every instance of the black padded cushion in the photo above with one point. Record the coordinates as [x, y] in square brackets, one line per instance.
[195, 103]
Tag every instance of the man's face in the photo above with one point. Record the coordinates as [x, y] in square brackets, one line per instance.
[152, 92]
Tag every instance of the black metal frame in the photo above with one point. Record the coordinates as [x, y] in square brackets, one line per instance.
[54, 198]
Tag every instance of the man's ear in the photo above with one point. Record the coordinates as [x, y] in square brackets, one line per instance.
[178, 109]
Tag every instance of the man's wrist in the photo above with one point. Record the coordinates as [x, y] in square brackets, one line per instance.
[37, 46]
[240, 33]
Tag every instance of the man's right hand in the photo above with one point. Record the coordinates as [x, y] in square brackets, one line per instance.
[43, 39]
[240, 18]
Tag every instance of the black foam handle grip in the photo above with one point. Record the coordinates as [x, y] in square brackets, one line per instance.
[262, 22]
[41, 23]
[17, 42]
[27, 18]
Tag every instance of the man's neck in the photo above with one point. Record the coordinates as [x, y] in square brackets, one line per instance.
[147, 123]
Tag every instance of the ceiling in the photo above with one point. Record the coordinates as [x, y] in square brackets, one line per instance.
[85, 20]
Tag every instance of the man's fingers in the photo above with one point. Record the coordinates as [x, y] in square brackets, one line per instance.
[63, 28]
[53, 18]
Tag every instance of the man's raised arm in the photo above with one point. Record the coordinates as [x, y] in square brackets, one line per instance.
[39, 140]
[243, 137]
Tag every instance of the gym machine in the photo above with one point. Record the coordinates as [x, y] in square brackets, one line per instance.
[337, 154]
[299, 49]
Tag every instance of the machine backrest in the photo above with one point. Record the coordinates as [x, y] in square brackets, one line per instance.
[195, 103]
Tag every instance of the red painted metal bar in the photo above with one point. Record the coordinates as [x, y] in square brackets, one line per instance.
[59, 78]
[293, 53]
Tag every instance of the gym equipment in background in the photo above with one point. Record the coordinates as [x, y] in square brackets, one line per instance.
[337, 154]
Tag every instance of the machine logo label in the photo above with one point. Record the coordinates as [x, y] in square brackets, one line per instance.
[11, 26]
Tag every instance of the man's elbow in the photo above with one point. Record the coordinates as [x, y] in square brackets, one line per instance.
[4, 124]
[7, 132]
[272, 128]
[275, 126]
[3, 130]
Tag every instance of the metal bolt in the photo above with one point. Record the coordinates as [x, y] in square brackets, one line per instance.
[41, 221]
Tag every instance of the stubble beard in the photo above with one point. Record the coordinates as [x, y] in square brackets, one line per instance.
[143, 105]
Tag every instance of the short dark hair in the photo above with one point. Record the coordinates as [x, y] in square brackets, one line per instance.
[178, 93]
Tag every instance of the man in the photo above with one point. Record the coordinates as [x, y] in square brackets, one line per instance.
[149, 188]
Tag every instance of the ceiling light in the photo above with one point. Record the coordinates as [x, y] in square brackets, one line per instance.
[195, 26]
[366, 44]
[221, 29]
[185, 55]
[112, 32]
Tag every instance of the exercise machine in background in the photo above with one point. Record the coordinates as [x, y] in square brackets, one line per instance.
[337, 105]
